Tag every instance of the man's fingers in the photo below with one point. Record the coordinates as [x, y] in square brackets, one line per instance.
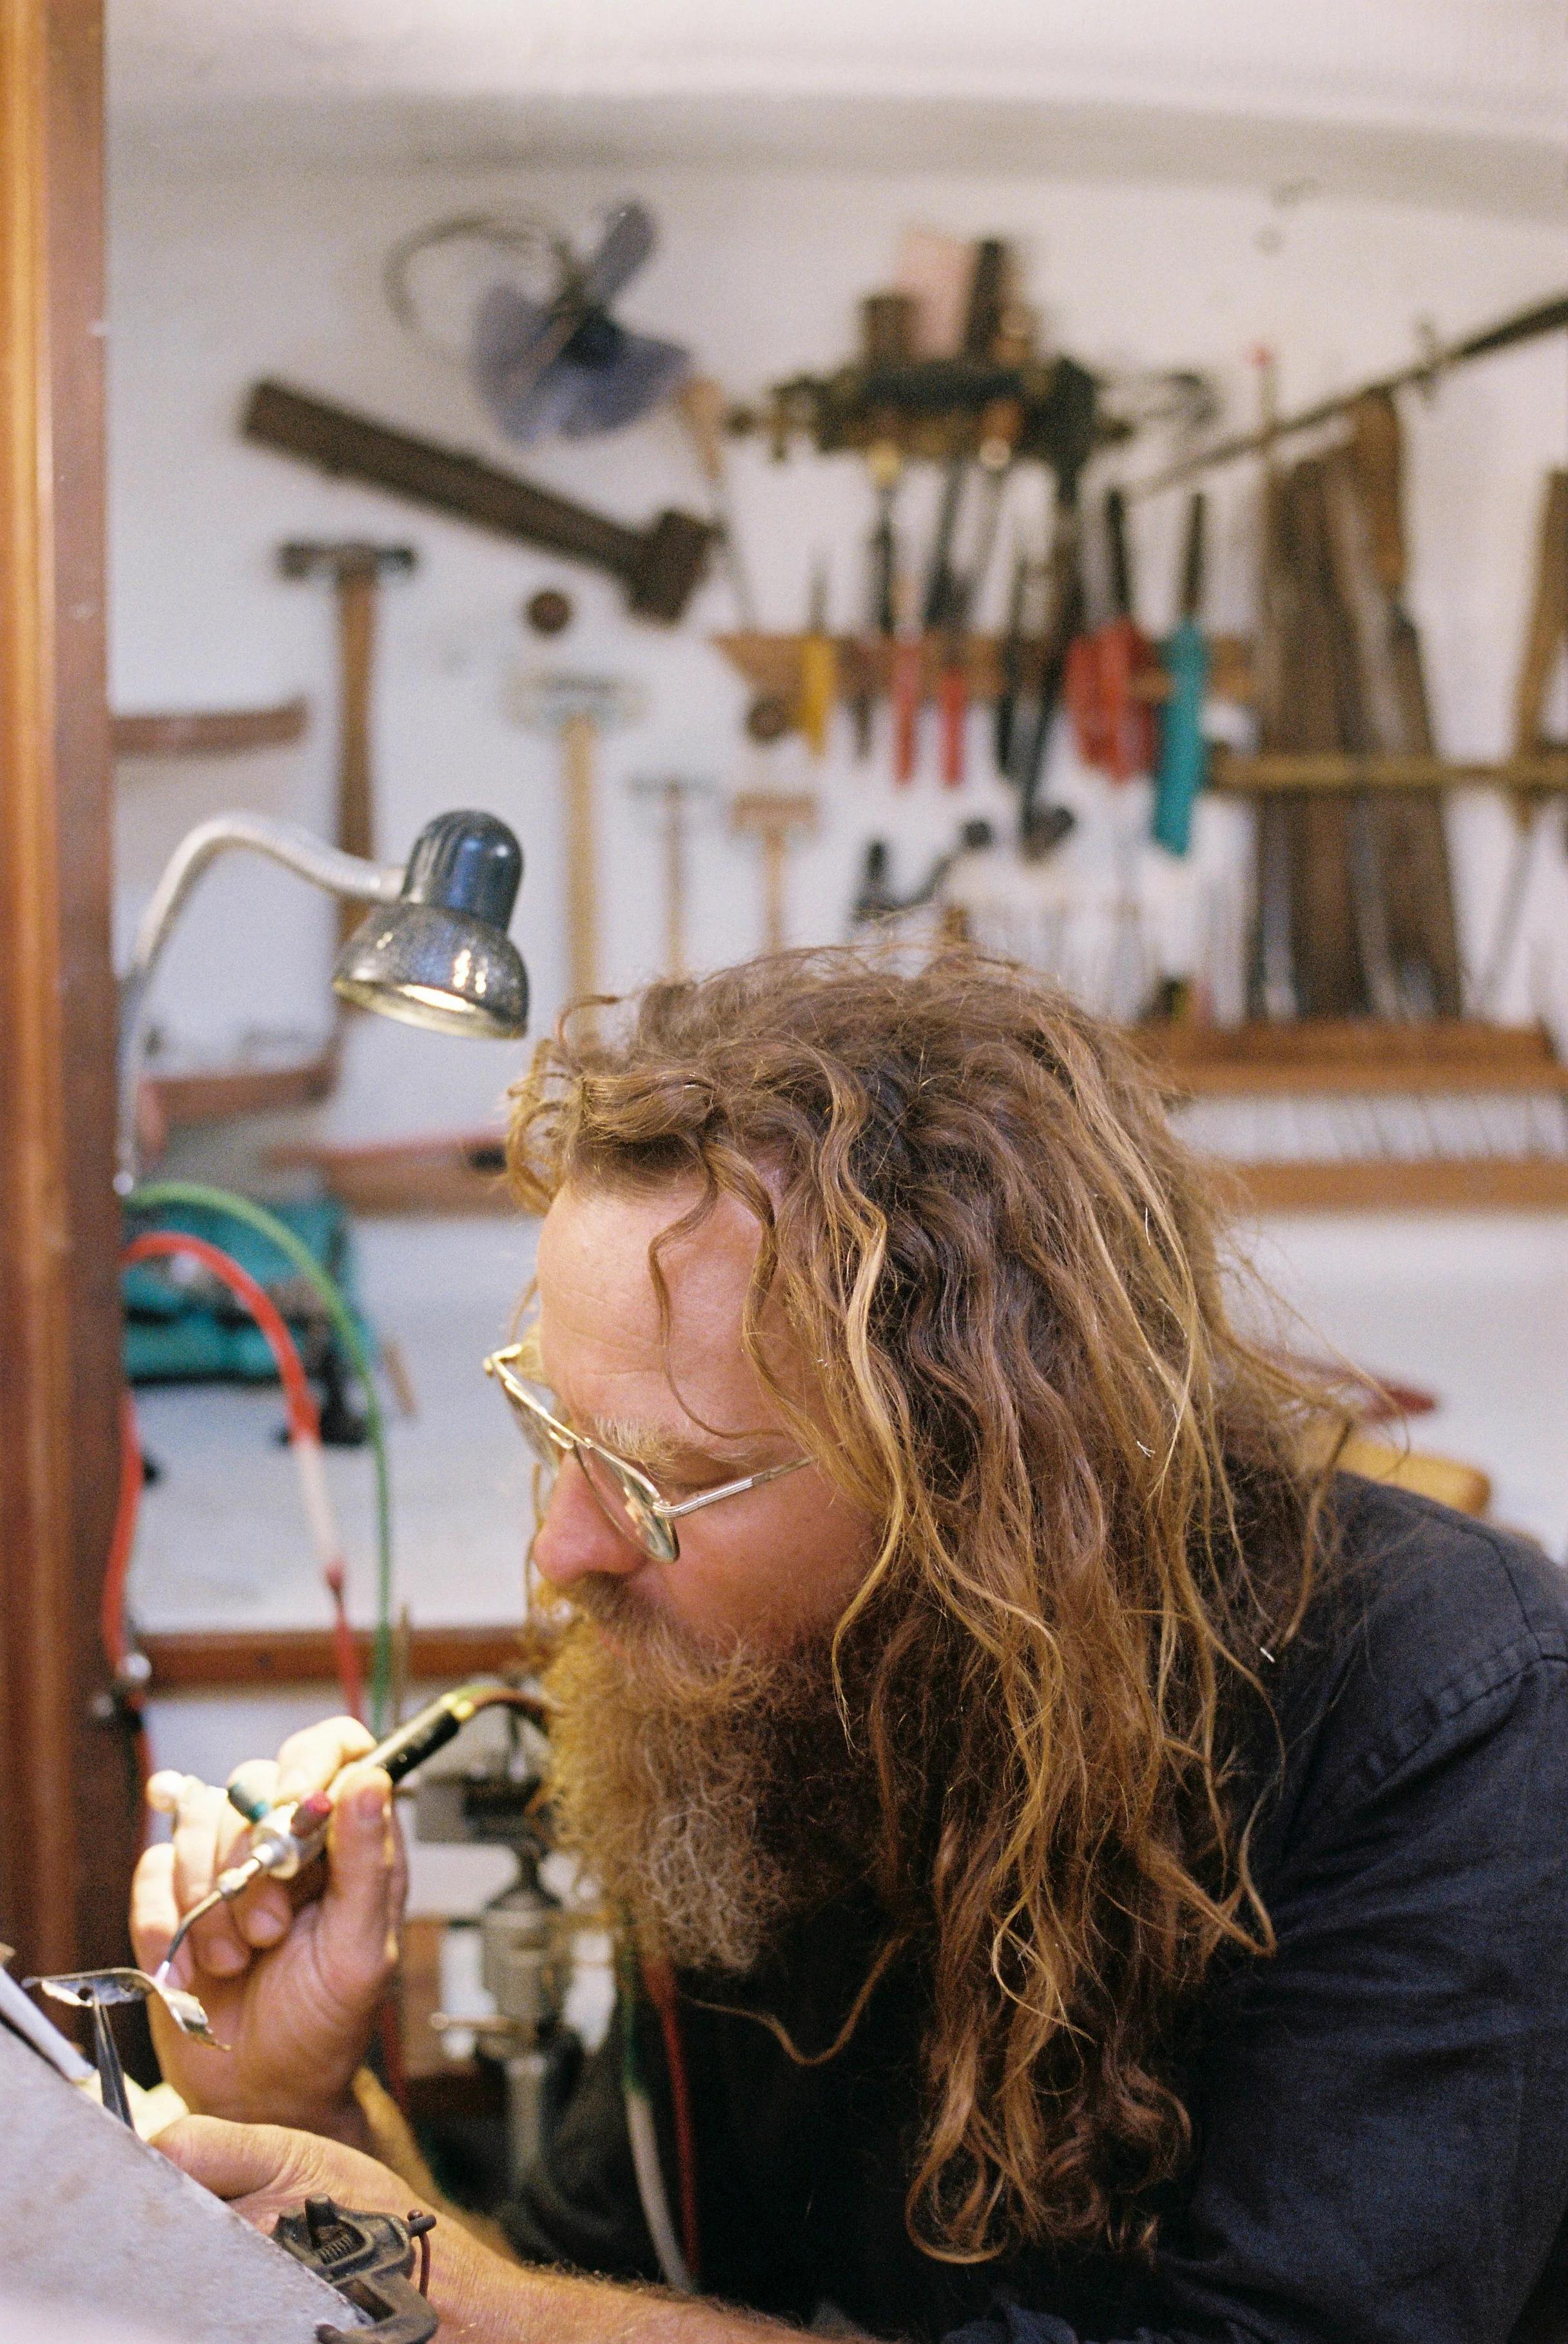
[309, 1761]
[363, 1894]
[206, 1831]
[153, 1914]
[261, 2169]
[237, 2160]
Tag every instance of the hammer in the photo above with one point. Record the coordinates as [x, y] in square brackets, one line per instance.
[773, 815]
[672, 793]
[354, 568]
[577, 709]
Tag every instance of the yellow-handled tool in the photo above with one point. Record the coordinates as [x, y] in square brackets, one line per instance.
[818, 670]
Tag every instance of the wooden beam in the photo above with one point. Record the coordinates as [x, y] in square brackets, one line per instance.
[210, 731]
[223, 1094]
[1338, 772]
[68, 1818]
[450, 1172]
[1388, 1184]
[1352, 1056]
[225, 1659]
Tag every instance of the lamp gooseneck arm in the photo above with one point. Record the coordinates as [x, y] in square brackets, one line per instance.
[325, 866]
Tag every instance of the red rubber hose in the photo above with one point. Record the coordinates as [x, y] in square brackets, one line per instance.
[305, 1437]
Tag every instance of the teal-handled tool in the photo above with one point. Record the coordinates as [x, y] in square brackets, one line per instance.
[285, 1839]
[1183, 766]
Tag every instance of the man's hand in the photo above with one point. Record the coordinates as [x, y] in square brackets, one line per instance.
[290, 1988]
[263, 2171]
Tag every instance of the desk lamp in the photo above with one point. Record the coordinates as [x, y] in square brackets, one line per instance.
[434, 951]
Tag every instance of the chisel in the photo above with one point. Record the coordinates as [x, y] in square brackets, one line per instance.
[986, 309]
[1042, 828]
[1011, 665]
[885, 465]
[999, 428]
[907, 687]
[1113, 724]
[939, 579]
[1125, 657]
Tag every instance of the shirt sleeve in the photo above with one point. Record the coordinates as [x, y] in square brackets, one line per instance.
[1383, 2106]
[578, 2207]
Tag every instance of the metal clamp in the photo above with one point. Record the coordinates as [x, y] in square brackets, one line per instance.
[368, 2258]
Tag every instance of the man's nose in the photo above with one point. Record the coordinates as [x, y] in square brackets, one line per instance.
[575, 1538]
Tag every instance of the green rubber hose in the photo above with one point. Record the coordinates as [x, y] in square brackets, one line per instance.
[159, 1194]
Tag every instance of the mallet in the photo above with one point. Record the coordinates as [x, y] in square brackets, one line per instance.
[355, 567]
[673, 793]
[773, 816]
[577, 709]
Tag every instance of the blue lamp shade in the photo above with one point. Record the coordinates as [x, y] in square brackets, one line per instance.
[440, 956]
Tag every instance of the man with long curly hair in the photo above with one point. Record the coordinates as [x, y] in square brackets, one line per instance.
[1109, 1861]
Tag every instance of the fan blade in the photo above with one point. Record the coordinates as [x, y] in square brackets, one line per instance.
[514, 342]
[529, 401]
[645, 372]
[628, 240]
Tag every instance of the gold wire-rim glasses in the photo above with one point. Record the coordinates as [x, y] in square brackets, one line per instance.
[636, 1509]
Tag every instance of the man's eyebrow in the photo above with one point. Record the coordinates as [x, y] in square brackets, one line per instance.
[657, 1451]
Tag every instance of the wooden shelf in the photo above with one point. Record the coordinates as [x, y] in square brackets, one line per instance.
[227, 1093]
[209, 732]
[1317, 1061]
[450, 1172]
[217, 1659]
[1351, 1056]
[1447, 1184]
[771, 665]
[1543, 776]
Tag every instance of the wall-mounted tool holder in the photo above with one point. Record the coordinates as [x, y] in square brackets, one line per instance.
[209, 732]
[773, 664]
[1332, 771]
[1364, 1115]
[933, 410]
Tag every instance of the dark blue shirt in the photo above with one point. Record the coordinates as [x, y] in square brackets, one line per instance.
[1380, 2109]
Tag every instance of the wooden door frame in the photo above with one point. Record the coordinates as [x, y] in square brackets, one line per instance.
[67, 1810]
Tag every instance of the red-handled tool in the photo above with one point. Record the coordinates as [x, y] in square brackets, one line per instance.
[1114, 725]
[908, 691]
[952, 705]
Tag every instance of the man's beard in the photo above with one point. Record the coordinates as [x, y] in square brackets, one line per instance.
[717, 1797]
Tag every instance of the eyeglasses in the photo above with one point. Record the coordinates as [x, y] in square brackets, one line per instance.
[625, 1494]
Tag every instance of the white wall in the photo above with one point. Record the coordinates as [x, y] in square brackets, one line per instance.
[218, 280]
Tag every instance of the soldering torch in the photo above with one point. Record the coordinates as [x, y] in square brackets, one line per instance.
[285, 1839]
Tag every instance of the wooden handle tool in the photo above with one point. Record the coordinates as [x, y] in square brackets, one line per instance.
[355, 568]
[1544, 639]
[660, 567]
[908, 690]
[774, 817]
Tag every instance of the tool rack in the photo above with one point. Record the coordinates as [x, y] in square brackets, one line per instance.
[770, 663]
[1363, 1074]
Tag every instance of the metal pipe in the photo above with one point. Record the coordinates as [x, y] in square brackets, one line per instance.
[1524, 326]
[310, 858]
